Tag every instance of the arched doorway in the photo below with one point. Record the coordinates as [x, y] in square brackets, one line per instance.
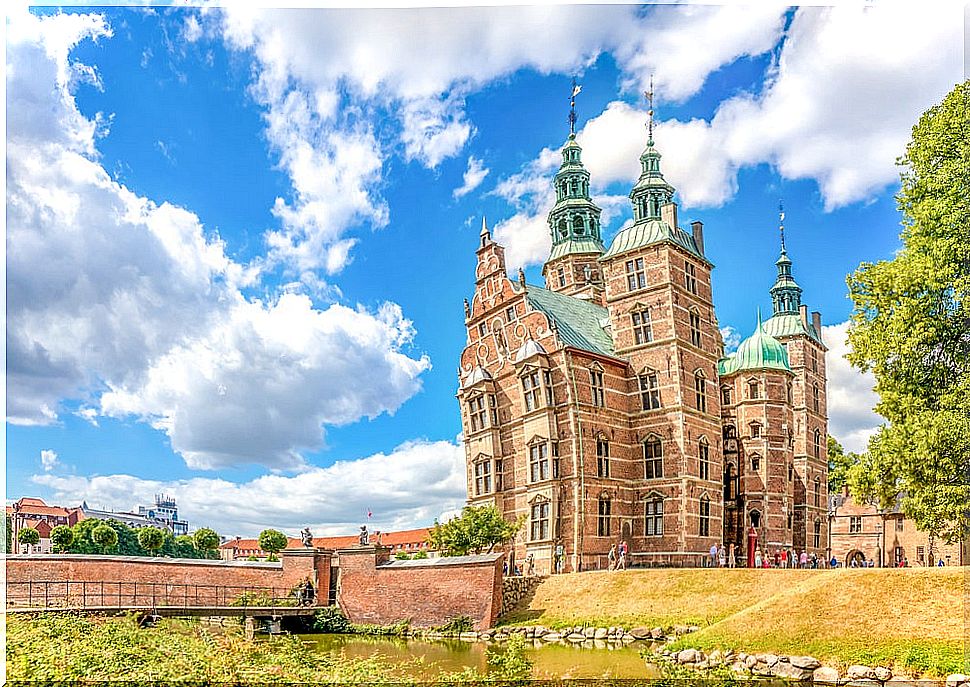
[856, 557]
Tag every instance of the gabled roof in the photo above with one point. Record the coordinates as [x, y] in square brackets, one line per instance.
[577, 321]
[649, 232]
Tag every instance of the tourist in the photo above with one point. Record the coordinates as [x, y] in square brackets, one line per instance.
[530, 562]
[505, 569]
[731, 561]
[814, 561]
[713, 559]
[784, 558]
[834, 562]
[803, 560]
[940, 563]
[757, 558]
[722, 557]
[621, 564]
[611, 558]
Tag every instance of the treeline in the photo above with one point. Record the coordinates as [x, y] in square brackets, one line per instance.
[114, 537]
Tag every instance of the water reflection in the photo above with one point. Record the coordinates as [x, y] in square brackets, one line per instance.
[424, 658]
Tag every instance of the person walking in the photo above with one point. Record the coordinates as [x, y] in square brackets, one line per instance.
[731, 561]
[621, 563]
[757, 558]
[713, 556]
[611, 558]
[722, 557]
[803, 560]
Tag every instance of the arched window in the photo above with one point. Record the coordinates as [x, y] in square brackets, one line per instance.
[817, 535]
[705, 523]
[817, 444]
[653, 458]
[602, 457]
[700, 391]
[818, 492]
[754, 518]
[704, 458]
[755, 463]
[753, 389]
[815, 398]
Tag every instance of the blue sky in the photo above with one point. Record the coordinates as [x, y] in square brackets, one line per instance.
[238, 240]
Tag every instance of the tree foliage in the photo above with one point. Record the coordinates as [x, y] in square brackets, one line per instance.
[129, 544]
[151, 539]
[206, 539]
[840, 463]
[477, 529]
[29, 536]
[104, 537]
[62, 537]
[911, 328]
[272, 542]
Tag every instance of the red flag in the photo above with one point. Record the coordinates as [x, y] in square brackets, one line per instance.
[369, 514]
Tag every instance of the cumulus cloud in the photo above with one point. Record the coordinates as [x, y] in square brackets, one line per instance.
[127, 307]
[406, 488]
[731, 337]
[48, 459]
[850, 393]
[472, 178]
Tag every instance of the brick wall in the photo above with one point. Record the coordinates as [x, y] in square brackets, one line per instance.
[427, 592]
[113, 580]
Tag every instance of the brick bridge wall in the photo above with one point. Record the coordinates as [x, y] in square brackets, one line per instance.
[428, 592]
[167, 581]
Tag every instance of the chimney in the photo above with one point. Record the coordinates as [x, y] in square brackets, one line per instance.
[668, 213]
[697, 228]
[803, 315]
[817, 322]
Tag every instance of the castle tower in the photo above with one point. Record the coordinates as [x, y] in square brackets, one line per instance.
[802, 339]
[661, 313]
[574, 223]
[759, 469]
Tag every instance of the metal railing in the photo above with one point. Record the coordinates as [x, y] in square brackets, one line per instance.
[108, 594]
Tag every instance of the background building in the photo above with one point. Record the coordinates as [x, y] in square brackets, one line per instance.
[601, 408]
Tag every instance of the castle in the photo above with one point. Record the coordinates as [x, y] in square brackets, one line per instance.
[601, 408]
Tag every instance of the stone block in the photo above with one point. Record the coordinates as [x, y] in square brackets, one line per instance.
[640, 632]
[600, 633]
[688, 656]
[883, 674]
[957, 679]
[860, 672]
[790, 672]
[804, 662]
[551, 637]
[826, 675]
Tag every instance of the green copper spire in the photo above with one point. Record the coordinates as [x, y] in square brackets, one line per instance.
[651, 190]
[786, 294]
[574, 221]
[760, 351]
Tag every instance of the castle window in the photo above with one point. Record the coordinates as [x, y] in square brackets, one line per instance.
[499, 476]
[788, 394]
[789, 518]
[730, 483]
[704, 456]
[530, 390]
[642, 327]
[509, 314]
[483, 477]
[815, 398]
[855, 524]
[725, 395]
[547, 382]
[817, 535]
[477, 414]
[481, 329]
[755, 463]
[814, 360]
[695, 328]
[636, 277]
[700, 391]
[791, 472]
[705, 525]
[597, 388]
[690, 277]
[753, 389]
[493, 408]
[653, 525]
[602, 457]
[603, 516]
[755, 517]
[540, 520]
[649, 391]
[899, 524]
[653, 458]
[561, 274]
[817, 444]
[538, 462]
[818, 492]
[555, 460]
[755, 430]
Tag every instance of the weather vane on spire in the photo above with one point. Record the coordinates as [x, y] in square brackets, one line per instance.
[572, 107]
[781, 224]
[649, 96]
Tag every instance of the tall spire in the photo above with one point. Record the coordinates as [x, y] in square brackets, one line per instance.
[651, 191]
[649, 96]
[786, 294]
[572, 107]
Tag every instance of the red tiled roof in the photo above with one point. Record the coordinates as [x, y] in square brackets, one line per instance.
[387, 539]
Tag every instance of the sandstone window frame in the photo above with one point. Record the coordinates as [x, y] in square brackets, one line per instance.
[704, 458]
[700, 390]
[653, 457]
[531, 388]
[816, 401]
[704, 513]
[602, 456]
[597, 386]
[817, 533]
[754, 390]
[855, 524]
[818, 491]
[817, 443]
[547, 386]
[538, 461]
[726, 393]
[649, 383]
[561, 276]
[754, 518]
[694, 322]
[690, 277]
[483, 476]
[499, 475]
[539, 519]
[604, 515]
[481, 408]
[642, 326]
[755, 429]
[636, 274]
[755, 462]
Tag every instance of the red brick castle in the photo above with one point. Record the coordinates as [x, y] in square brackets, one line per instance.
[601, 407]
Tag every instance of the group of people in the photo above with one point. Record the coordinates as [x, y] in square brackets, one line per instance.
[616, 558]
[788, 558]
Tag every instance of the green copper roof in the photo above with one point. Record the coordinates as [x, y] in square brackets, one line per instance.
[760, 351]
[649, 232]
[578, 321]
[574, 247]
[790, 325]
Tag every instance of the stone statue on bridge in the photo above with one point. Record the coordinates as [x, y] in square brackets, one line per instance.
[307, 538]
[364, 536]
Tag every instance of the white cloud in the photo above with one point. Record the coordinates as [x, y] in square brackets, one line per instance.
[406, 488]
[128, 307]
[731, 337]
[850, 393]
[472, 178]
[433, 130]
[48, 459]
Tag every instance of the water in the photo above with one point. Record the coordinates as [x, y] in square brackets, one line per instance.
[426, 658]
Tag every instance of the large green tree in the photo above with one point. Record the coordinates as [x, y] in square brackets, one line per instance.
[62, 537]
[476, 530]
[911, 328]
[104, 537]
[151, 539]
[206, 540]
[272, 542]
[28, 536]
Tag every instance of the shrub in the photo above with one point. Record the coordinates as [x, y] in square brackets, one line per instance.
[151, 539]
[104, 537]
[206, 539]
[28, 536]
[402, 556]
[457, 625]
[331, 621]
